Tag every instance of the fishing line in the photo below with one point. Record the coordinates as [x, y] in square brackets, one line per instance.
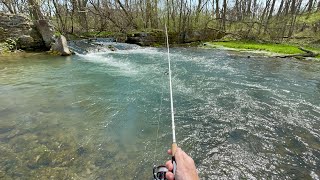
[159, 172]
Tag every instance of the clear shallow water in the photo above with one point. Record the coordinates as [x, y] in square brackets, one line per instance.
[95, 116]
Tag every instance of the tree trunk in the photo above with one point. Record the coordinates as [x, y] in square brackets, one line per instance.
[254, 9]
[198, 11]
[155, 14]
[270, 15]
[249, 8]
[58, 14]
[286, 8]
[34, 9]
[168, 13]
[224, 15]
[180, 16]
[238, 11]
[148, 14]
[292, 13]
[310, 6]
[280, 8]
[173, 14]
[213, 8]
[217, 10]
[9, 6]
[265, 11]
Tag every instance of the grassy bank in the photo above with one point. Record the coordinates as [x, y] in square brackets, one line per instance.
[275, 48]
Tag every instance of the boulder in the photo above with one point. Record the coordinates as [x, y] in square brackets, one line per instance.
[46, 30]
[112, 48]
[21, 29]
[13, 25]
[24, 42]
[30, 35]
[157, 37]
[146, 38]
[61, 46]
[206, 34]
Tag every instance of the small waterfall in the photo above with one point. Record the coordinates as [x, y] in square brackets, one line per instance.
[94, 45]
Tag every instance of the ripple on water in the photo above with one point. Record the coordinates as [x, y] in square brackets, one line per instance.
[95, 116]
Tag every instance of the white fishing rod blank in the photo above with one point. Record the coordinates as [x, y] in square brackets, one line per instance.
[174, 142]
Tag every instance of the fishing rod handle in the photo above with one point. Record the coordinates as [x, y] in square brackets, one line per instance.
[174, 147]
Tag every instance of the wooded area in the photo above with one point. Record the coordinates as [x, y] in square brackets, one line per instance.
[250, 19]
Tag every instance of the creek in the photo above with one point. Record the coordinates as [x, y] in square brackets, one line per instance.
[95, 115]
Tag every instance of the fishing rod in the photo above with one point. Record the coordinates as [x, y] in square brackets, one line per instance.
[159, 172]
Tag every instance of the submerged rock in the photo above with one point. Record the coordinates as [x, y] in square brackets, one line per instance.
[5, 129]
[112, 48]
[81, 151]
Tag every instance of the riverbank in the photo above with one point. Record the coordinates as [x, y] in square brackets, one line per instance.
[269, 49]
[20, 55]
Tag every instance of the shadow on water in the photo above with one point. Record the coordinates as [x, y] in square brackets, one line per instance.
[94, 116]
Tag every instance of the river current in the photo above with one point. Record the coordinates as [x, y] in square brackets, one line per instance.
[96, 115]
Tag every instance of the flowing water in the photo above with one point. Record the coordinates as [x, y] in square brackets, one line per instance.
[95, 115]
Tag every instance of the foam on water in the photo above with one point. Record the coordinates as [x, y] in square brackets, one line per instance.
[122, 66]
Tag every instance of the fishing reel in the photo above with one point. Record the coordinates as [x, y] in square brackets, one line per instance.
[159, 172]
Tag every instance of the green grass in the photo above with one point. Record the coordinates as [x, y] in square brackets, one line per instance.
[276, 48]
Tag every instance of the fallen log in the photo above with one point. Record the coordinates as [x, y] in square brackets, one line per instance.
[307, 54]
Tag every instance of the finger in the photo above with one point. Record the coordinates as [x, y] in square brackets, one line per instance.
[169, 152]
[169, 175]
[179, 153]
[169, 165]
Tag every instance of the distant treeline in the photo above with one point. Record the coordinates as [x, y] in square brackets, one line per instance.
[272, 19]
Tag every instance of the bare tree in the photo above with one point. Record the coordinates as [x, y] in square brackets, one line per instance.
[34, 9]
[217, 10]
[269, 16]
[9, 5]
[310, 5]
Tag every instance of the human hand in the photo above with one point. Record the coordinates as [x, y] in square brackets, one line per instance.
[186, 169]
